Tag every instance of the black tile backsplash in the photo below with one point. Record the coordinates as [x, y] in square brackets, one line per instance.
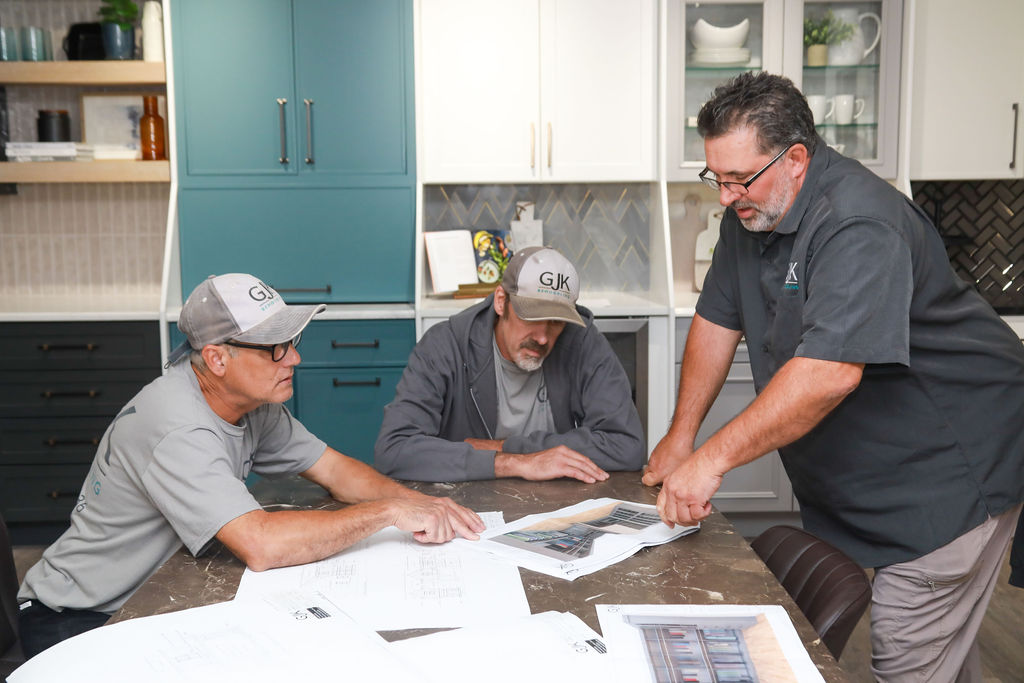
[982, 224]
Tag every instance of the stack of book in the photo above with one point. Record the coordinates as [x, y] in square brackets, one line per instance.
[40, 151]
[67, 151]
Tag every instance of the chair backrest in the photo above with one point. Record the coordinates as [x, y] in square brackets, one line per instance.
[830, 588]
[8, 591]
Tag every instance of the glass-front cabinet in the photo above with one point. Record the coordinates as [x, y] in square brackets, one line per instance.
[845, 56]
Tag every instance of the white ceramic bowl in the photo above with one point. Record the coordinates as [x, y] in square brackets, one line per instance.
[706, 36]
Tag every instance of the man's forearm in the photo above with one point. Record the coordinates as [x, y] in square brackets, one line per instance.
[264, 540]
[800, 395]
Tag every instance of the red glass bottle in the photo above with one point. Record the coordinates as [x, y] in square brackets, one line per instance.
[151, 131]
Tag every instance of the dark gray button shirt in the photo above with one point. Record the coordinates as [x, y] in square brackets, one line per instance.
[930, 444]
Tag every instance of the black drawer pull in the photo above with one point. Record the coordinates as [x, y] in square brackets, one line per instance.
[53, 442]
[54, 495]
[92, 393]
[375, 344]
[326, 289]
[375, 382]
[68, 347]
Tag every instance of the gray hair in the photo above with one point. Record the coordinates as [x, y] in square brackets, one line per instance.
[768, 103]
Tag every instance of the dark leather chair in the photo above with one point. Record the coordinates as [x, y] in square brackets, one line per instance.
[829, 587]
[11, 656]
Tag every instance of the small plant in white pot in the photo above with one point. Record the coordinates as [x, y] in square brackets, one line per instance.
[821, 32]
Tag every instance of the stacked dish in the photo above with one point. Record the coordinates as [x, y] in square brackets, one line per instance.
[720, 45]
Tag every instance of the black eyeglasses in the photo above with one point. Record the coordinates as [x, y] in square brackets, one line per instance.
[738, 188]
[277, 351]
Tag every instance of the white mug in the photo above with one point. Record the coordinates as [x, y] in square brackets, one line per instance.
[848, 109]
[821, 107]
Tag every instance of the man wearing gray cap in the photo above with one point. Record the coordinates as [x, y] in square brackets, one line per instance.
[171, 467]
[520, 385]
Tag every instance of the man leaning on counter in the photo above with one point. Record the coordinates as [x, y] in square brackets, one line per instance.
[171, 469]
[891, 389]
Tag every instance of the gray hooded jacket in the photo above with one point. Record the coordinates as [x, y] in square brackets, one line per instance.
[448, 393]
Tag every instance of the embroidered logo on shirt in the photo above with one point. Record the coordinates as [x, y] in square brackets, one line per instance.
[791, 282]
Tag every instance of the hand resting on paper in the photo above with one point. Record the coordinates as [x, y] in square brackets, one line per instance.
[436, 520]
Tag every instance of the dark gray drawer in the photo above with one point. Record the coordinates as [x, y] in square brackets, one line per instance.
[355, 343]
[69, 392]
[50, 441]
[40, 494]
[79, 345]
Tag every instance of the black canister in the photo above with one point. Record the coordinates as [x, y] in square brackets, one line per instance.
[53, 125]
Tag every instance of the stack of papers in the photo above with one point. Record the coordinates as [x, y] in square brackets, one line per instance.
[580, 539]
[313, 621]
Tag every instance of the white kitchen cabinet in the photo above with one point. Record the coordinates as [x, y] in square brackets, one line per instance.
[967, 90]
[774, 43]
[758, 486]
[536, 90]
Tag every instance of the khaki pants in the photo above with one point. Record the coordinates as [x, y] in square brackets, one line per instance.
[925, 613]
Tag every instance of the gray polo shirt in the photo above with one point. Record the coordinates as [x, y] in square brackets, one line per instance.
[930, 444]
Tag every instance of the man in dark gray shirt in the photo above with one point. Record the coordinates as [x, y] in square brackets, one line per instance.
[893, 392]
[520, 385]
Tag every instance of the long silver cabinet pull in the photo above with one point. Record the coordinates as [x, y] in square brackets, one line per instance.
[1016, 123]
[549, 145]
[533, 146]
[284, 136]
[309, 131]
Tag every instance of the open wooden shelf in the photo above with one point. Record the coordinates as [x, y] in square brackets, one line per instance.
[85, 172]
[111, 72]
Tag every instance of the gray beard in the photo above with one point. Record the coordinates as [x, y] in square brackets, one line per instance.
[772, 210]
[529, 363]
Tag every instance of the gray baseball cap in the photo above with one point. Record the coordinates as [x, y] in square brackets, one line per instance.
[542, 285]
[240, 307]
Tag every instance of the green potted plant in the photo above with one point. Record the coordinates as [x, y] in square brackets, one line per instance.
[821, 32]
[118, 23]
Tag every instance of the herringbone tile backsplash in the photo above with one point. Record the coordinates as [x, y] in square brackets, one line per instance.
[604, 229]
[982, 224]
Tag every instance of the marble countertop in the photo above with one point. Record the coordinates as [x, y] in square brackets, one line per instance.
[713, 566]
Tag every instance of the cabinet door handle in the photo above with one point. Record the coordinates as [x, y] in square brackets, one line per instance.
[309, 131]
[533, 146]
[375, 344]
[549, 145]
[375, 382]
[92, 393]
[1016, 120]
[284, 136]
[68, 347]
[326, 289]
[53, 442]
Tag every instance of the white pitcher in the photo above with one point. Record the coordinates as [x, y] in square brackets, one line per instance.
[852, 51]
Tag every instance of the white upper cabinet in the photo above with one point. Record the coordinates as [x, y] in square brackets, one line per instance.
[537, 90]
[967, 90]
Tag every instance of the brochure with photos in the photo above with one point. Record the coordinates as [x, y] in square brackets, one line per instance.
[580, 539]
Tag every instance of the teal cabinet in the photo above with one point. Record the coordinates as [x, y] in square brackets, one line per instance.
[311, 245]
[316, 90]
[349, 372]
[295, 145]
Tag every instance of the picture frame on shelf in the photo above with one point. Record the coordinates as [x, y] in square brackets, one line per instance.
[113, 118]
